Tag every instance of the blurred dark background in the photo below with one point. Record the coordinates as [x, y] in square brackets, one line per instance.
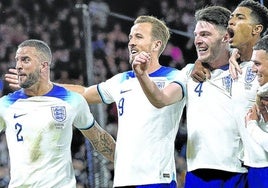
[60, 24]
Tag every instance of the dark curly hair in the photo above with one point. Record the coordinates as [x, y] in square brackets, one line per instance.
[216, 15]
[259, 13]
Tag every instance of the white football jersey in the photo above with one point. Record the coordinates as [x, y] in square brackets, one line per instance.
[39, 133]
[146, 135]
[213, 137]
[244, 96]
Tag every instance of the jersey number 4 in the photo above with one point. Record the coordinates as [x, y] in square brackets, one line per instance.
[198, 89]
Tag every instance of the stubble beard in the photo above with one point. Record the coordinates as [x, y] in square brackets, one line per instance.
[31, 79]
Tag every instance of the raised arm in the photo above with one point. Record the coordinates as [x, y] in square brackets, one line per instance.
[234, 67]
[101, 140]
[90, 93]
[158, 97]
[72, 87]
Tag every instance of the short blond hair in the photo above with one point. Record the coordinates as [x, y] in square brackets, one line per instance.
[159, 29]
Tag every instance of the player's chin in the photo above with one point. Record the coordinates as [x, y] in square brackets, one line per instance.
[203, 58]
[261, 81]
[131, 59]
[21, 79]
[22, 85]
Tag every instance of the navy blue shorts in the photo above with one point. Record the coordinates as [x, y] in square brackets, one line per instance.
[258, 177]
[209, 178]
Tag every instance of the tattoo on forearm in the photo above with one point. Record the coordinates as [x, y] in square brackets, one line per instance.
[104, 144]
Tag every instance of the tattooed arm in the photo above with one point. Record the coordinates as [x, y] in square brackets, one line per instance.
[101, 140]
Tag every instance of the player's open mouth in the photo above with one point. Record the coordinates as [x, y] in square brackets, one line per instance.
[134, 51]
[202, 50]
[231, 33]
[20, 76]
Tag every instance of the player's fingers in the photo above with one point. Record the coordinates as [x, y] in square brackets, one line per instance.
[207, 74]
[11, 78]
[265, 116]
[234, 68]
[14, 86]
[232, 71]
[12, 70]
[263, 112]
[199, 76]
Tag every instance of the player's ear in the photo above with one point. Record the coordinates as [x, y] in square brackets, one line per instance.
[44, 65]
[257, 29]
[157, 45]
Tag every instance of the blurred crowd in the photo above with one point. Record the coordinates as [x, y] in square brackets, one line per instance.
[59, 23]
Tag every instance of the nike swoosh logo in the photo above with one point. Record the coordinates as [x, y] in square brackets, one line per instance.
[18, 115]
[124, 91]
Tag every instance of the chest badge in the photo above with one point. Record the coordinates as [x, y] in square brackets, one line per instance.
[58, 113]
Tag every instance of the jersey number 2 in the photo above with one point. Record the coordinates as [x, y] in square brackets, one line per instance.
[19, 128]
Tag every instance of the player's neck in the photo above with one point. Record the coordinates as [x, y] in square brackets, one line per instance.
[246, 54]
[221, 60]
[245, 51]
[38, 89]
[154, 65]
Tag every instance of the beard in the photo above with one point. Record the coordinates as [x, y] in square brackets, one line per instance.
[31, 79]
[131, 59]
